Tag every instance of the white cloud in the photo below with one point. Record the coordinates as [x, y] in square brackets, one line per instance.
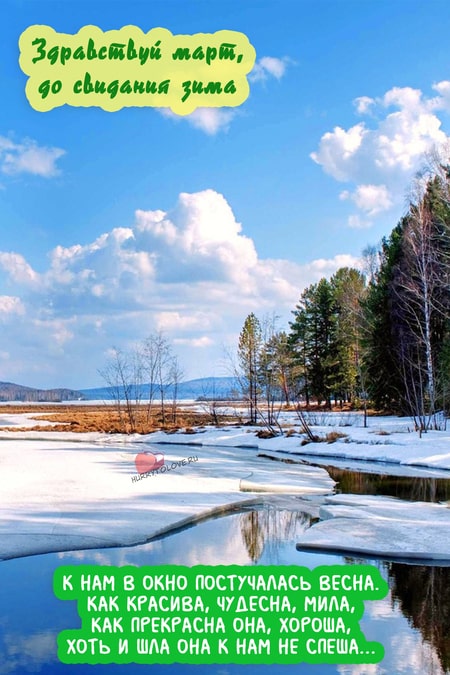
[357, 223]
[214, 120]
[190, 272]
[413, 653]
[173, 321]
[18, 269]
[28, 157]
[10, 305]
[339, 149]
[369, 198]
[380, 155]
[209, 120]
[360, 669]
[268, 66]
[202, 235]
[363, 104]
[442, 101]
[203, 341]
[57, 330]
[325, 267]
[27, 652]
[397, 143]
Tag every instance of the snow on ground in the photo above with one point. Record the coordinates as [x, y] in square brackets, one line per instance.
[386, 440]
[22, 420]
[65, 491]
[60, 496]
[383, 527]
[361, 465]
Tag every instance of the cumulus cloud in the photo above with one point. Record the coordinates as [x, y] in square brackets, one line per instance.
[190, 272]
[18, 269]
[381, 154]
[397, 143]
[369, 198]
[339, 150]
[28, 157]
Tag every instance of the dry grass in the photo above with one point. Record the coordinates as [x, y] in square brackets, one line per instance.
[265, 433]
[331, 437]
[106, 418]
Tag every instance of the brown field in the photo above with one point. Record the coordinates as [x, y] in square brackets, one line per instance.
[107, 419]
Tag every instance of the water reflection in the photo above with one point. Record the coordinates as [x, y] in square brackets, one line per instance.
[403, 487]
[412, 622]
[265, 529]
[423, 595]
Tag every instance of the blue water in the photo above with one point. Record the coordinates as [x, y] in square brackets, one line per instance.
[412, 623]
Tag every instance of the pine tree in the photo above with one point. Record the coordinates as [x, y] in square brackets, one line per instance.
[379, 341]
[249, 353]
[407, 311]
[314, 339]
[349, 290]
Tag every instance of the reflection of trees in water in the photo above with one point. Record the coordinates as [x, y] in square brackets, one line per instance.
[403, 487]
[264, 529]
[423, 594]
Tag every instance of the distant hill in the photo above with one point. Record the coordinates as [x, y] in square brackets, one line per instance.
[204, 388]
[17, 392]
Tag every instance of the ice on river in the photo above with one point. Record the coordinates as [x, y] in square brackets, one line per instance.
[62, 495]
[381, 527]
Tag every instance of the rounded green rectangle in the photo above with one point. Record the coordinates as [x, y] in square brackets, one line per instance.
[219, 614]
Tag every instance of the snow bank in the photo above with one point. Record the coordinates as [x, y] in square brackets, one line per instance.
[387, 440]
[381, 527]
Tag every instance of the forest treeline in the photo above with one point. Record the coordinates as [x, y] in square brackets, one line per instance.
[378, 335]
[16, 392]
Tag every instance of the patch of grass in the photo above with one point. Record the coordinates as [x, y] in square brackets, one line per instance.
[265, 433]
[331, 437]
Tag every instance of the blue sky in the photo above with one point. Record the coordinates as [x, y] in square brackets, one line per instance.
[116, 225]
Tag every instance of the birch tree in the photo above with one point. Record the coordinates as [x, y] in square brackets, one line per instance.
[422, 300]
